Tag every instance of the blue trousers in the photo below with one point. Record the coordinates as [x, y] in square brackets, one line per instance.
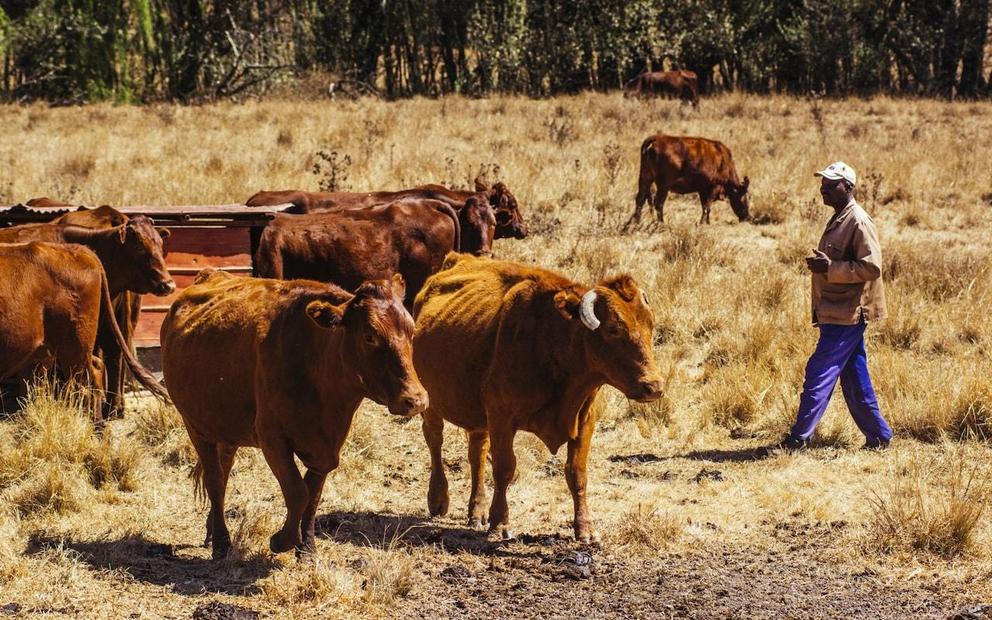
[840, 353]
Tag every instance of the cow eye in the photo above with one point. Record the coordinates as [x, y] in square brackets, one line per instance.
[372, 338]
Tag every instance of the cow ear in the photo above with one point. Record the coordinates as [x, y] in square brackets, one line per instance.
[624, 286]
[122, 232]
[746, 183]
[164, 233]
[567, 303]
[480, 186]
[399, 286]
[325, 314]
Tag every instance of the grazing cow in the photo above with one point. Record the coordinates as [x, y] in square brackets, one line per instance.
[131, 255]
[503, 347]
[509, 222]
[53, 297]
[687, 165]
[409, 237]
[282, 366]
[682, 85]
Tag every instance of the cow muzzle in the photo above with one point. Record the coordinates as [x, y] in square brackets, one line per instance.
[166, 287]
[409, 404]
[646, 390]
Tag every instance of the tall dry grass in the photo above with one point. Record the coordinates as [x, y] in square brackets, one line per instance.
[730, 302]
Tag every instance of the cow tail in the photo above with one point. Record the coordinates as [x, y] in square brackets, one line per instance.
[450, 212]
[140, 373]
[199, 486]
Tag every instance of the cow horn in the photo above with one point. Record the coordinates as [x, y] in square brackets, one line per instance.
[586, 311]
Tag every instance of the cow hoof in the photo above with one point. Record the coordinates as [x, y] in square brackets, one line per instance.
[506, 534]
[220, 551]
[476, 523]
[587, 538]
[438, 506]
[280, 543]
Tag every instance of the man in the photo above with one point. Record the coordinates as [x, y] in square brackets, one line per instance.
[847, 293]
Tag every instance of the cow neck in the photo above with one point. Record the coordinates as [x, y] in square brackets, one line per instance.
[573, 365]
[105, 244]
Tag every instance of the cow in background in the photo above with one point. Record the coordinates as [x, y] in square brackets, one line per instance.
[680, 84]
[409, 237]
[131, 252]
[509, 222]
[687, 165]
[54, 297]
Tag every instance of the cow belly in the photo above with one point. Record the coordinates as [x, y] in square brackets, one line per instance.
[211, 381]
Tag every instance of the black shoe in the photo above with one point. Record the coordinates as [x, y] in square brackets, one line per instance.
[876, 444]
[788, 444]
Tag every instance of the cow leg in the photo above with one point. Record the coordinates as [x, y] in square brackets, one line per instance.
[214, 481]
[504, 466]
[437, 492]
[643, 196]
[706, 202]
[315, 488]
[225, 456]
[478, 448]
[279, 456]
[576, 477]
[98, 389]
[659, 202]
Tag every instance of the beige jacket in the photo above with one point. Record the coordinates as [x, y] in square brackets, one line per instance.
[852, 288]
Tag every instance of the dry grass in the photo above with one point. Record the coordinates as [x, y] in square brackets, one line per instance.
[731, 306]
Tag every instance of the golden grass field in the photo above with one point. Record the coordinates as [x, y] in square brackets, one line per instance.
[692, 525]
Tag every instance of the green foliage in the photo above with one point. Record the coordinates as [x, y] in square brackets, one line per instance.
[79, 50]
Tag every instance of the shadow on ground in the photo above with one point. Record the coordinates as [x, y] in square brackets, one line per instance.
[383, 531]
[166, 565]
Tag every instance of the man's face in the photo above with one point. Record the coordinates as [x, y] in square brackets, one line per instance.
[833, 191]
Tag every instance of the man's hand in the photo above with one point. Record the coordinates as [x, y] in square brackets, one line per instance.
[819, 262]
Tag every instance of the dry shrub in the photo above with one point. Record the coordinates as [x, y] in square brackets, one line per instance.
[929, 510]
[933, 269]
[51, 459]
[12, 545]
[653, 529]
[161, 428]
[57, 488]
[77, 166]
[390, 573]
[318, 587]
[770, 212]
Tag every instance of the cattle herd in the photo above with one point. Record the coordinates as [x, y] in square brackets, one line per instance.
[390, 296]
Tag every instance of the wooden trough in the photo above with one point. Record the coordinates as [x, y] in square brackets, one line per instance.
[221, 236]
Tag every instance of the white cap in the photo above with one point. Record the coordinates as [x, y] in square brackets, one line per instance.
[838, 170]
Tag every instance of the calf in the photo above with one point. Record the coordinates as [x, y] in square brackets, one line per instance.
[283, 366]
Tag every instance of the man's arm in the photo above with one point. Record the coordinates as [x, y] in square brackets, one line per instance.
[866, 266]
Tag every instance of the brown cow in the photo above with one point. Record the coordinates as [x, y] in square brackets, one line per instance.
[503, 347]
[283, 366]
[681, 84]
[127, 306]
[131, 255]
[509, 222]
[409, 237]
[686, 165]
[53, 298]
